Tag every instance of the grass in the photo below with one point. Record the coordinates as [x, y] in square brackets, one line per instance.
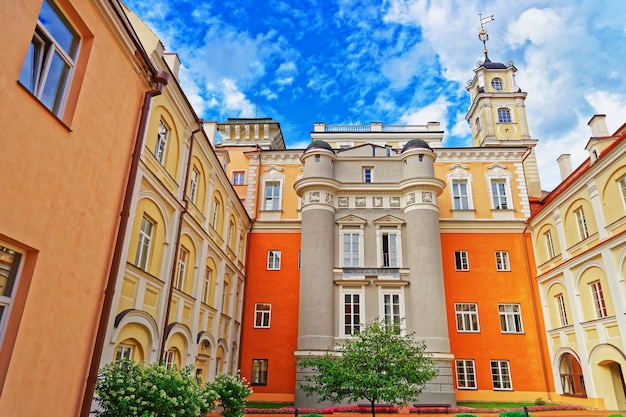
[490, 405]
[253, 404]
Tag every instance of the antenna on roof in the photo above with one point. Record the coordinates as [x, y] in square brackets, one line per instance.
[482, 32]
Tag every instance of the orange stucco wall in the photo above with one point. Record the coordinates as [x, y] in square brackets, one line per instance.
[281, 289]
[62, 192]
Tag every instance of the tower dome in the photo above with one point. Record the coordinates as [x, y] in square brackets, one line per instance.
[416, 143]
[319, 144]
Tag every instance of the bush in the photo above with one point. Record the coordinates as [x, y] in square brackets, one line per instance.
[539, 401]
[128, 388]
[232, 391]
[616, 415]
[515, 413]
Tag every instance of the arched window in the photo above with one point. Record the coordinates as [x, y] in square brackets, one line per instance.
[571, 376]
[504, 115]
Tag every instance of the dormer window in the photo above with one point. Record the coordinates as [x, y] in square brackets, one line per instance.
[497, 84]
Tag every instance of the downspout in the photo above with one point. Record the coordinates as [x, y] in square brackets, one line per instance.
[170, 290]
[161, 78]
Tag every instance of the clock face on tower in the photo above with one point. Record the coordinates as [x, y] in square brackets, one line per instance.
[497, 84]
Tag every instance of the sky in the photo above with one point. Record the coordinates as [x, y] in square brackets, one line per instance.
[398, 62]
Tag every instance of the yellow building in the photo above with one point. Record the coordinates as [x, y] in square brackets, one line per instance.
[180, 291]
[580, 250]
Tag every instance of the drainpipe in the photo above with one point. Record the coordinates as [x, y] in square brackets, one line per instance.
[170, 290]
[161, 78]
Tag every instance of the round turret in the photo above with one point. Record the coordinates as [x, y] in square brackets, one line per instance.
[319, 144]
[416, 143]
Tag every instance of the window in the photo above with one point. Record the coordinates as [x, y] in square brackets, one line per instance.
[392, 309]
[465, 374]
[497, 84]
[478, 124]
[622, 188]
[501, 375]
[272, 196]
[216, 213]
[581, 223]
[193, 185]
[10, 261]
[598, 299]
[466, 317]
[238, 177]
[170, 358]
[390, 249]
[367, 175]
[560, 305]
[571, 374]
[259, 371]
[499, 195]
[510, 318]
[124, 352]
[460, 197]
[144, 243]
[229, 237]
[504, 115]
[161, 144]
[183, 256]
[262, 312]
[51, 59]
[502, 261]
[273, 260]
[351, 320]
[549, 244]
[206, 285]
[351, 246]
[461, 260]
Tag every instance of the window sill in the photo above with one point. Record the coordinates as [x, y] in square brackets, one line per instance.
[43, 106]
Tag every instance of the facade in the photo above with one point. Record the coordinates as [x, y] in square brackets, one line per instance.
[73, 79]
[580, 252]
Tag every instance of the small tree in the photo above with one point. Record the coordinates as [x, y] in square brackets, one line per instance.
[232, 391]
[379, 364]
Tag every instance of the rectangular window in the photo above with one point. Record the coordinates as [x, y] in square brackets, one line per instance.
[504, 116]
[193, 185]
[581, 223]
[183, 256]
[262, 315]
[10, 261]
[501, 375]
[560, 305]
[144, 243]
[272, 196]
[229, 236]
[460, 196]
[273, 260]
[51, 59]
[622, 188]
[124, 352]
[466, 317]
[510, 318]
[259, 372]
[465, 374]
[216, 213]
[392, 310]
[502, 261]
[498, 194]
[598, 299]
[549, 244]
[351, 248]
[461, 260]
[239, 177]
[390, 249]
[206, 285]
[170, 359]
[367, 175]
[351, 313]
[161, 144]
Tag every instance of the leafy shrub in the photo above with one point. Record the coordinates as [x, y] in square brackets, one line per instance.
[616, 415]
[128, 388]
[514, 413]
[232, 391]
[540, 401]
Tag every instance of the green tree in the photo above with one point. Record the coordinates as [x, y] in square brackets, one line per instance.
[379, 364]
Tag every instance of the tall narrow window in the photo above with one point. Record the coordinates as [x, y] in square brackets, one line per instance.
[367, 175]
[461, 260]
[465, 374]
[549, 244]
[560, 305]
[392, 310]
[216, 213]
[144, 243]
[351, 247]
[193, 185]
[466, 317]
[502, 261]
[504, 115]
[170, 358]
[273, 260]
[460, 196]
[272, 196]
[51, 59]
[390, 249]
[351, 313]
[259, 372]
[124, 352]
[510, 318]
[229, 237]
[581, 223]
[598, 299]
[262, 315]
[206, 286]
[183, 256]
[498, 194]
[622, 188]
[238, 177]
[501, 375]
[161, 144]
[10, 261]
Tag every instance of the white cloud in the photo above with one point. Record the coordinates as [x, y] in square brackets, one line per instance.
[434, 112]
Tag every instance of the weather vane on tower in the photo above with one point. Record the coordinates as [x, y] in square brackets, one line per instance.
[482, 32]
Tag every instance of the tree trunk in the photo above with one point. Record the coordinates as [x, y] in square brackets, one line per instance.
[373, 409]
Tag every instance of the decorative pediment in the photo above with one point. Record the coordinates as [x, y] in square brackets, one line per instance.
[459, 171]
[497, 171]
[351, 220]
[273, 172]
[388, 220]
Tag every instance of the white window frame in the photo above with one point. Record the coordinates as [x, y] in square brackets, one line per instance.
[160, 149]
[144, 243]
[498, 174]
[193, 185]
[347, 310]
[170, 358]
[394, 259]
[459, 174]
[503, 263]
[39, 70]
[262, 315]
[549, 244]
[501, 375]
[10, 274]
[597, 295]
[581, 223]
[239, 177]
[461, 260]
[560, 305]
[465, 374]
[386, 310]
[273, 260]
[181, 268]
[350, 259]
[504, 115]
[621, 183]
[467, 319]
[460, 198]
[230, 234]
[368, 174]
[510, 318]
[272, 200]
[206, 285]
[216, 212]
[497, 83]
[124, 352]
[499, 194]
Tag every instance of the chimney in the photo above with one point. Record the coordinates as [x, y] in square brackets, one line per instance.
[598, 126]
[172, 61]
[565, 165]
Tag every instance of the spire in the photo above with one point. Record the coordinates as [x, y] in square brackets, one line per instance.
[482, 33]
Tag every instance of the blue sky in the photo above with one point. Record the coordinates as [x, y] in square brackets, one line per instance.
[398, 62]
